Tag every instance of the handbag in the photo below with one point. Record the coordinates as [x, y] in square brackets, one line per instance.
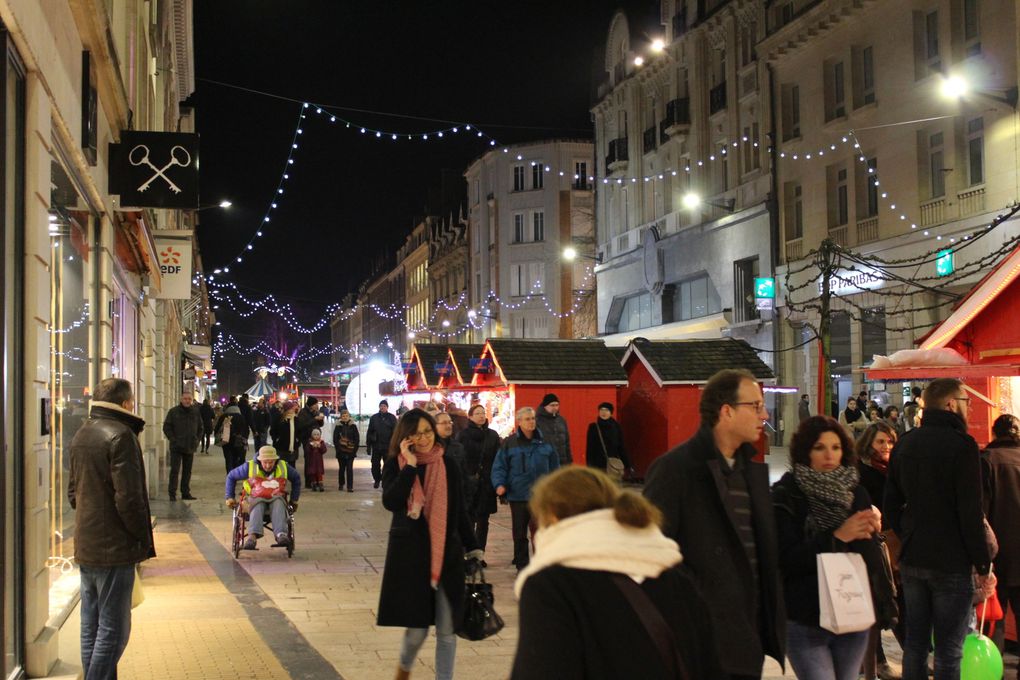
[137, 594]
[614, 465]
[480, 619]
[656, 627]
[844, 593]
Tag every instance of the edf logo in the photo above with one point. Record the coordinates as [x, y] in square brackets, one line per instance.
[171, 261]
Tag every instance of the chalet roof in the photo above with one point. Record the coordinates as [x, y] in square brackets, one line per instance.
[556, 361]
[462, 356]
[695, 361]
[428, 357]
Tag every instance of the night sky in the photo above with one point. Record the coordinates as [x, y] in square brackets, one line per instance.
[520, 71]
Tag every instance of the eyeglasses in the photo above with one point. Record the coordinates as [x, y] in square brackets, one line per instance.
[966, 399]
[758, 406]
[419, 435]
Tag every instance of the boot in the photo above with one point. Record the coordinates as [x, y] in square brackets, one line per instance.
[402, 674]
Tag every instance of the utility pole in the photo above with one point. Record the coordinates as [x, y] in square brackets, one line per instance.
[827, 267]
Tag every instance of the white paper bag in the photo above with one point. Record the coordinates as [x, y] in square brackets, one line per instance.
[844, 594]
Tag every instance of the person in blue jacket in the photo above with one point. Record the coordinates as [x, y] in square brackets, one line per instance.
[266, 479]
[522, 459]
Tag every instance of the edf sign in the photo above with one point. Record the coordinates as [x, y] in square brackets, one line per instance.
[173, 255]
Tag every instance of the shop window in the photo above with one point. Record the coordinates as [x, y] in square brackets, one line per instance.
[636, 313]
[695, 298]
[744, 273]
[872, 334]
[840, 358]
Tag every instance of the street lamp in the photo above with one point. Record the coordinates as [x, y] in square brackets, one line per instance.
[658, 45]
[224, 204]
[570, 254]
[956, 86]
[692, 201]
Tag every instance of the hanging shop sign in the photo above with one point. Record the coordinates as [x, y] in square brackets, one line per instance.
[944, 265]
[764, 293]
[173, 253]
[155, 170]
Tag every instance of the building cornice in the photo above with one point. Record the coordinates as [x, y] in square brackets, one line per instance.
[184, 48]
[811, 24]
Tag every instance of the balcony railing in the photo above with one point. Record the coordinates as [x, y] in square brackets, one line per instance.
[717, 98]
[648, 140]
[933, 212]
[794, 249]
[971, 201]
[839, 235]
[678, 118]
[867, 230]
[617, 155]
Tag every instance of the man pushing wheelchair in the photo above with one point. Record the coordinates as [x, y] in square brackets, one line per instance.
[266, 480]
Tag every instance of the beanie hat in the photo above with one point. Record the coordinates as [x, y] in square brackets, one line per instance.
[549, 399]
[384, 402]
[606, 405]
[311, 401]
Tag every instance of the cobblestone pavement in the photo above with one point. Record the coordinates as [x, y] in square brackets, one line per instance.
[207, 615]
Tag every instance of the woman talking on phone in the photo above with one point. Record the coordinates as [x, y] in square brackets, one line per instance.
[423, 578]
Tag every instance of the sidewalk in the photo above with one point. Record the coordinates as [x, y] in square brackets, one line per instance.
[206, 615]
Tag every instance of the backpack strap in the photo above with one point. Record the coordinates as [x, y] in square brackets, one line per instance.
[656, 627]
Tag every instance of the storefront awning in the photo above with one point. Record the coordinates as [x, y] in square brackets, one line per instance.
[918, 373]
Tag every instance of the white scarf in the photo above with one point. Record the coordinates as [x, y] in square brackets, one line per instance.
[597, 542]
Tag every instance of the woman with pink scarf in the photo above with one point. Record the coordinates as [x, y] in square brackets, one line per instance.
[430, 540]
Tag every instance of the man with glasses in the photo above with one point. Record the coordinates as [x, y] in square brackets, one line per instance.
[933, 503]
[715, 503]
[524, 457]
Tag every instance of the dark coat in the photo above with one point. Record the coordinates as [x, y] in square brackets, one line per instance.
[612, 435]
[874, 482]
[576, 624]
[555, 431]
[307, 420]
[406, 598]
[260, 419]
[480, 446]
[184, 428]
[349, 430]
[933, 496]
[799, 546]
[238, 424]
[246, 411]
[380, 431]
[208, 416]
[106, 488]
[687, 484]
[1001, 462]
[280, 433]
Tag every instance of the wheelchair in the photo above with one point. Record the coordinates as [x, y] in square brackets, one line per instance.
[239, 527]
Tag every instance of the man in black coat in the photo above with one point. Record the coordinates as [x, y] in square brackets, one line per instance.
[377, 439]
[933, 503]
[715, 503]
[113, 531]
[183, 427]
[208, 416]
[308, 419]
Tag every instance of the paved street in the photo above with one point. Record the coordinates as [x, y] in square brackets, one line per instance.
[208, 616]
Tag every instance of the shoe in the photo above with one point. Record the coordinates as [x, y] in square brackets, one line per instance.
[249, 543]
[375, 485]
[173, 497]
[483, 564]
[888, 671]
[188, 497]
[282, 540]
[402, 674]
[350, 490]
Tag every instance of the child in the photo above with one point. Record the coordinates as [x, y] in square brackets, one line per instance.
[314, 467]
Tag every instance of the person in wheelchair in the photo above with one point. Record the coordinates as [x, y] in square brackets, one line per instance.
[266, 479]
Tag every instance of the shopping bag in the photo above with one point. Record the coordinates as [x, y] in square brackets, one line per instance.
[844, 593]
[137, 594]
[614, 468]
[480, 619]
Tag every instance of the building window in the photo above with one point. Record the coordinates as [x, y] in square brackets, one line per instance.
[581, 176]
[926, 44]
[793, 211]
[748, 38]
[976, 151]
[538, 224]
[744, 273]
[478, 191]
[537, 175]
[835, 91]
[783, 14]
[527, 278]
[791, 112]
[520, 234]
[695, 298]
[518, 178]
[866, 189]
[971, 28]
[839, 212]
[752, 158]
[936, 166]
[637, 313]
[864, 76]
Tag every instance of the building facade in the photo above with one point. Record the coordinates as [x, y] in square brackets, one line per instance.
[80, 295]
[526, 204]
[413, 259]
[448, 277]
[683, 185]
[907, 171]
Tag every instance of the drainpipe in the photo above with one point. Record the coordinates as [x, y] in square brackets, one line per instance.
[773, 208]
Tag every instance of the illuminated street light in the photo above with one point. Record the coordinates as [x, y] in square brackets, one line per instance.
[570, 254]
[954, 87]
[639, 61]
[658, 45]
[225, 204]
[692, 201]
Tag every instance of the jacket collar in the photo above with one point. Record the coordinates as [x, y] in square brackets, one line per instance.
[536, 436]
[233, 408]
[934, 417]
[106, 409]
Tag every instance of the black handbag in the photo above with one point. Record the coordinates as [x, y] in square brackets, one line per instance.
[480, 619]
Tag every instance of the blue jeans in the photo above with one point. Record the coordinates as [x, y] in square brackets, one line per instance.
[446, 641]
[941, 602]
[105, 618]
[819, 654]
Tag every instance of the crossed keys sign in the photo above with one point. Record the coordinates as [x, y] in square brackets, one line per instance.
[178, 156]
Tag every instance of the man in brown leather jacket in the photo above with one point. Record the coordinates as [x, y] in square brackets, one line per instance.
[113, 530]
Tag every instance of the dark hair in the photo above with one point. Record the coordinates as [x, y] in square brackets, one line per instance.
[311, 401]
[606, 405]
[890, 408]
[809, 432]
[114, 391]
[408, 425]
[720, 390]
[1006, 426]
[939, 391]
[577, 489]
[916, 391]
[472, 409]
[244, 397]
[232, 402]
[863, 447]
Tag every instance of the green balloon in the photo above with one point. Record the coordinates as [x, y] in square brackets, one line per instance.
[981, 659]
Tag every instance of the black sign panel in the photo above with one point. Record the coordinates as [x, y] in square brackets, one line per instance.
[155, 170]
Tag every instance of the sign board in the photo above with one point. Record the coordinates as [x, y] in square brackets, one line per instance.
[944, 265]
[481, 365]
[763, 304]
[210, 375]
[765, 288]
[443, 369]
[850, 281]
[409, 366]
[155, 170]
[173, 254]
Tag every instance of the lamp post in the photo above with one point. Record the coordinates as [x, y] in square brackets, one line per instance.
[693, 201]
[570, 253]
